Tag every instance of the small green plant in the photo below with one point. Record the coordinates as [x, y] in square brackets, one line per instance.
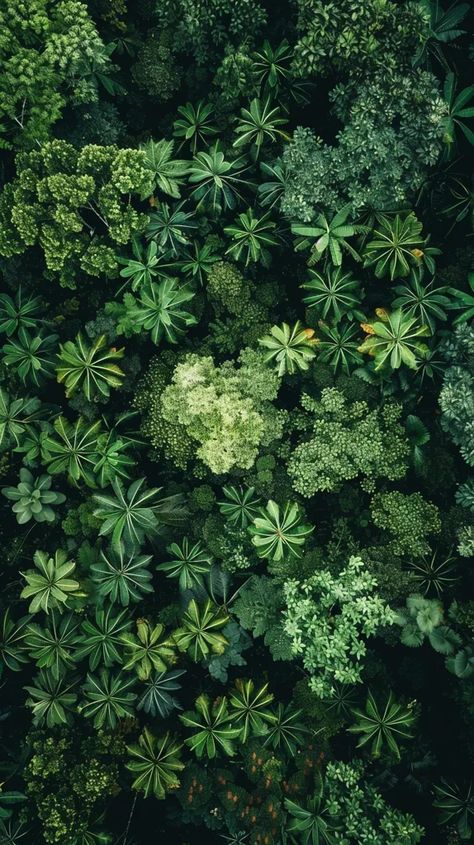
[459, 108]
[394, 339]
[91, 369]
[122, 578]
[189, 564]
[286, 730]
[422, 619]
[102, 637]
[150, 649]
[17, 417]
[464, 301]
[170, 228]
[240, 506]
[291, 349]
[108, 698]
[142, 268]
[200, 633]
[328, 620]
[12, 641]
[212, 726]
[52, 700]
[378, 727]
[155, 762]
[49, 585]
[456, 807]
[428, 304]
[330, 237]
[219, 182]
[32, 357]
[166, 173]
[338, 346]
[249, 708]
[434, 573]
[33, 498]
[259, 124]
[333, 294]
[128, 516]
[275, 534]
[52, 645]
[195, 125]
[312, 821]
[272, 64]
[251, 236]
[397, 246]
[71, 448]
[157, 698]
[159, 311]
[19, 313]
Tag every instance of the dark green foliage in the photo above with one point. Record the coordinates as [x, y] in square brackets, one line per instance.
[156, 71]
[352, 36]
[383, 725]
[236, 422]
[47, 52]
[410, 520]
[122, 577]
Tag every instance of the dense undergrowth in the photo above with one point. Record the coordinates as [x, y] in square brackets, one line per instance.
[236, 422]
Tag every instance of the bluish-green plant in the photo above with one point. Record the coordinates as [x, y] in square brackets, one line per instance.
[33, 498]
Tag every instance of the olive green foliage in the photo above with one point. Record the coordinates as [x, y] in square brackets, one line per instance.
[67, 778]
[51, 54]
[63, 199]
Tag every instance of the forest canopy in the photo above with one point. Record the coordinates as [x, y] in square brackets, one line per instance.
[236, 422]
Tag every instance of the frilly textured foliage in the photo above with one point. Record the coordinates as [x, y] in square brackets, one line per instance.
[347, 440]
[332, 645]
